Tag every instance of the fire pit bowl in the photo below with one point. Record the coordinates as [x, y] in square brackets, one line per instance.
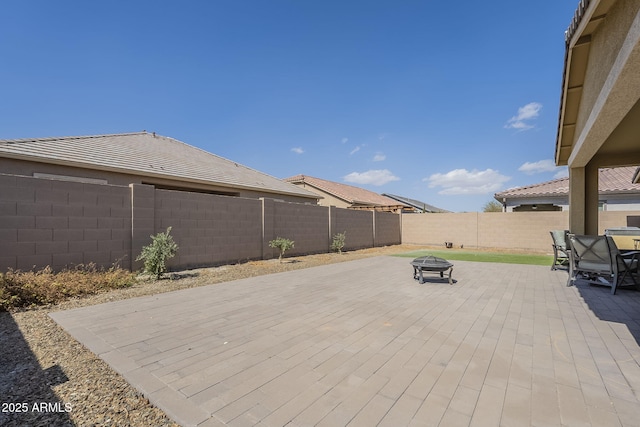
[432, 264]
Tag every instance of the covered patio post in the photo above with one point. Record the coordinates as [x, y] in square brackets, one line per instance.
[583, 199]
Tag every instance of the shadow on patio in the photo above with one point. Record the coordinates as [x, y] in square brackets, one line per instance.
[622, 308]
[26, 388]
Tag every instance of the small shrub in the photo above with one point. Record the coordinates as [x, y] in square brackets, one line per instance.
[338, 242]
[156, 254]
[282, 244]
[33, 288]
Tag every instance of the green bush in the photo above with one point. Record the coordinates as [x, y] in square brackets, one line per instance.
[156, 254]
[33, 288]
[338, 242]
[282, 244]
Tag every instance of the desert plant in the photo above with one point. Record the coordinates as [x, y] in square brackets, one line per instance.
[338, 242]
[492, 206]
[156, 254]
[33, 288]
[282, 244]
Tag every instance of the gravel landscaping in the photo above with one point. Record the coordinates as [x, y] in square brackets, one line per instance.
[48, 379]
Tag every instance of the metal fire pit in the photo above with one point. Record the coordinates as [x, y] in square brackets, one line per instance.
[432, 264]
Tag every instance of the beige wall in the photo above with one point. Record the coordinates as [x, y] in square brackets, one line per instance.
[59, 223]
[459, 228]
[506, 230]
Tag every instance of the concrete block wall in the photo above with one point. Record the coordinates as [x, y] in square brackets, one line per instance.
[142, 220]
[520, 230]
[209, 229]
[387, 229]
[435, 229]
[58, 223]
[46, 222]
[612, 219]
[306, 225]
[357, 224]
[506, 230]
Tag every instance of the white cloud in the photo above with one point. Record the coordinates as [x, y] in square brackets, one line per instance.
[379, 157]
[373, 177]
[345, 140]
[297, 150]
[354, 151]
[462, 181]
[530, 168]
[522, 121]
[546, 165]
[562, 173]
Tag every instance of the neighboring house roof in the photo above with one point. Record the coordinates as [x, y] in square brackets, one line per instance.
[146, 154]
[425, 207]
[611, 180]
[348, 193]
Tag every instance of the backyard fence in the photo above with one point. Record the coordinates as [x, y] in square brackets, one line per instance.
[60, 223]
[45, 222]
[502, 230]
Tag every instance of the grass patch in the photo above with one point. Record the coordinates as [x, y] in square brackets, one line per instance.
[42, 287]
[507, 258]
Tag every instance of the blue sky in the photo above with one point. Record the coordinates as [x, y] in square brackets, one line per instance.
[445, 102]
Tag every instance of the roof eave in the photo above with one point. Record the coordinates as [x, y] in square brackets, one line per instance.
[588, 16]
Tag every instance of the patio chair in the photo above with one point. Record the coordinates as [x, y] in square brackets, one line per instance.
[598, 260]
[625, 264]
[560, 249]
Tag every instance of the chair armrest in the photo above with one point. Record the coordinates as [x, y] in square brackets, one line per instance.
[629, 254]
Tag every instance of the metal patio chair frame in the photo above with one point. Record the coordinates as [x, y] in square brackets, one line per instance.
[560, 248]
[598, 260]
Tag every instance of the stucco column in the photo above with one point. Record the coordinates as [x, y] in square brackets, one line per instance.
[268, 227]
[374, 213]
[583, 200]
[592, 198]
[142, 220]
[332, 225]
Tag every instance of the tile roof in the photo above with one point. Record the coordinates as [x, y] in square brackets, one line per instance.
[577, 19]
[611, 180]
[416, 203]
[146, 154]
[348, 193]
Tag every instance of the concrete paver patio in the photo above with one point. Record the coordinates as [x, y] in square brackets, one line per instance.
[361, 343]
